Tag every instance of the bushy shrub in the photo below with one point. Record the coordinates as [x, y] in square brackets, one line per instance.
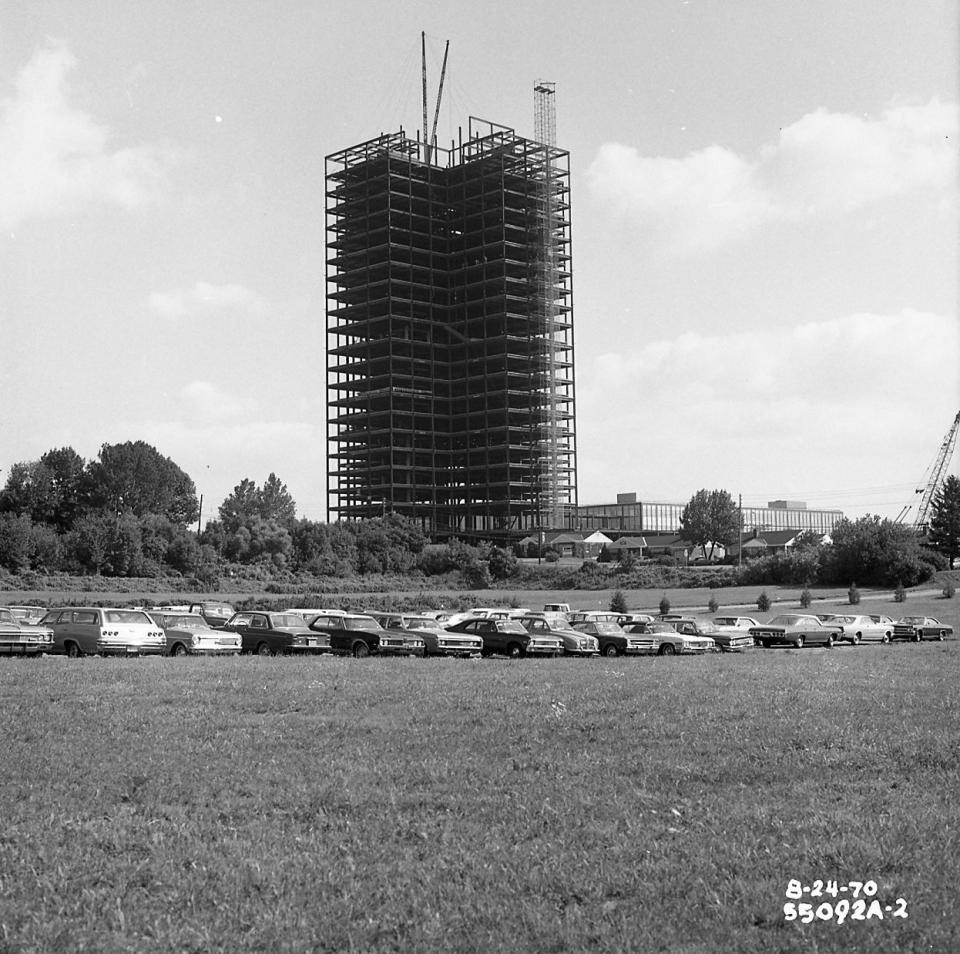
[900, 594]
[503, 563]
[806, 598]
[763, 602]
[853, 595]
[713, 605]
[783, 569]
[949, 590]
[618, 602]
[664, 605]
[476, 575]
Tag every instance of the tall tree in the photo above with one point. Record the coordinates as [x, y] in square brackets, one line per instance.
[135, 477]
[276, 502]
[876, 551]
[945, 518]
[51, 491]
[241, 506]
[711, 517]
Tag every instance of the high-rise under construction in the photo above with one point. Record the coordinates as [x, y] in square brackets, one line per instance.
[450, 384]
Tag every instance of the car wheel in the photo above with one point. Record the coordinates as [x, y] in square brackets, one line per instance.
[798, 642]
[940, 636]
[885, 638]
[916, 636]
[830, 642]
[263, 649]
[72, 650]
[360, 650]
[667, 649]
[610, 650]
[179, 650]
[765, 644]
[856, 640]
[514, 650]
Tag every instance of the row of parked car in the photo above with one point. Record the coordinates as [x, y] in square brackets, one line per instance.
[212, 628]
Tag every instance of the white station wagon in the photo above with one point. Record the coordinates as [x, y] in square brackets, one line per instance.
[82, 630]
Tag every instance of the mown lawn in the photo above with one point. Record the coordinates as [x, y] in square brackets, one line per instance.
[330, 804]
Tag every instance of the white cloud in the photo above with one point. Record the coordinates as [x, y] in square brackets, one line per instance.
[823, 164]
[55, 159]
[843, 403]
[208, 403]
[206, 298]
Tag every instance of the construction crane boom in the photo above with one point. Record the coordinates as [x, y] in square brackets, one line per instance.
[936, 476]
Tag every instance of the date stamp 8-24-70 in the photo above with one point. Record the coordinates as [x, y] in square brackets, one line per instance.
[831, 901]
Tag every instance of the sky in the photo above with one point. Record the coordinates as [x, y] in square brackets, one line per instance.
[764, 221]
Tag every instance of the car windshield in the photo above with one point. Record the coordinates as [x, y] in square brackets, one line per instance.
[659, 628]
[510, 626]
[415, 622]
[708, 627]
[608, 628]
[183, 622]
[285, 619]
[843, 619]
[912, 619]
[360, 622]
[126, 616]
[789, 620]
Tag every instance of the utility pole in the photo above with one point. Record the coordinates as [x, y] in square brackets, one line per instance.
[739, 530]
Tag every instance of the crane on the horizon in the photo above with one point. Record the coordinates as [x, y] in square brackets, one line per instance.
[936, 476]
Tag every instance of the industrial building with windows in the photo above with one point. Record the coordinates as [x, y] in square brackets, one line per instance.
[629, 515]
[450, 384]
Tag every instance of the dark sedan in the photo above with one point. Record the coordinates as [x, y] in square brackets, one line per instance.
[797, 630]
[613, 641]
[360, 635]
[509, 638]
[275, 634]
[917, 628]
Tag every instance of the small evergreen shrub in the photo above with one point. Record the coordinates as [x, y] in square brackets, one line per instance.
[853, 594]
[618, 602]
[949, 590]
[900, 594]
[664, 605]
[763, 602]
[806, 598]
[713, 605]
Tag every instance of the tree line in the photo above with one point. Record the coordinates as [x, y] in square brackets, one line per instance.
[872, 550]
[130, 512]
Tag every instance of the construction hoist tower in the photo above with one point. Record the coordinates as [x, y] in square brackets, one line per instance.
[545, 131]
[936, 476]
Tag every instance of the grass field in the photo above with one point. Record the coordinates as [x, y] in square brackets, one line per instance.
[330, 804]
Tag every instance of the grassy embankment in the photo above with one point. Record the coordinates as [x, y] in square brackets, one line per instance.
[430, 805]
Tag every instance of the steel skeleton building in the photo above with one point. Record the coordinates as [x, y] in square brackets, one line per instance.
[450, 385]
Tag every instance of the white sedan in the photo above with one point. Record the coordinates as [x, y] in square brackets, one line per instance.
[862, 629]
